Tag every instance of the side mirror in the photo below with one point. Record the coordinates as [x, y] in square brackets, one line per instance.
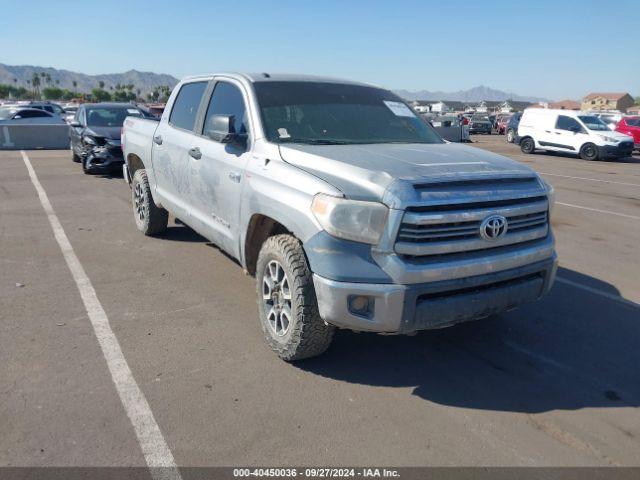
[75, 124]
[221, 129]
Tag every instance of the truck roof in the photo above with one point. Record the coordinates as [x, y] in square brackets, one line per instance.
[279, 77]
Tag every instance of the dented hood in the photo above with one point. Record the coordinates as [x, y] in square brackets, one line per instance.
[364, 172]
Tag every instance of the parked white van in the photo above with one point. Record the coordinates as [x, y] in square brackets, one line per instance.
[571, 132]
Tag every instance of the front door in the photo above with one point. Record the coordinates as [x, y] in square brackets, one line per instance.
[568, 135]
[218, 174]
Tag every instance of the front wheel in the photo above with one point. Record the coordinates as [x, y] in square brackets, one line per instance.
[527, 145]
[74, 156]
[150, 219]
[287, 304]
[589, 152]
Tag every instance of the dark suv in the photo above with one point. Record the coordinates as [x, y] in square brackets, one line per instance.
[94, 135]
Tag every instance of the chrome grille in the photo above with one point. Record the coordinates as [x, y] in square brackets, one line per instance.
[440, 229]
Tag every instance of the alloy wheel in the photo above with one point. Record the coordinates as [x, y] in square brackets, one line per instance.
[276, 298]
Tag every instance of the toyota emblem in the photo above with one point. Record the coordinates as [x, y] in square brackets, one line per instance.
[493, 227]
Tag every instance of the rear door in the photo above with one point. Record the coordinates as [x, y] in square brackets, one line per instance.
[218, 174]
[170, 149]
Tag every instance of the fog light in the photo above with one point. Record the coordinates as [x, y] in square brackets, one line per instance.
[361, 305]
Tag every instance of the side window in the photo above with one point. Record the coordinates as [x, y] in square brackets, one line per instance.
[185, 108]
[227, 100]
[567, 123]
[48, 109]
[33, 114]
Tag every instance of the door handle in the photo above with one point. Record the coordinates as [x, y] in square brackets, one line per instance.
[158, 139]
[235, 177]
[195, 153]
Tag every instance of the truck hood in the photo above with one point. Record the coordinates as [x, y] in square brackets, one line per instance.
[364, 172]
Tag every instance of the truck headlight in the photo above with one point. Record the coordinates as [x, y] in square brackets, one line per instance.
[551, 195]
[350, 219]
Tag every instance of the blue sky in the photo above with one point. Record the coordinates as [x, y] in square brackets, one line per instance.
[556, 49]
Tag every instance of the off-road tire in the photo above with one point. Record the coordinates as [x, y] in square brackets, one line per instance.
[308, 335]
[527, 145]
[153, 219]
[589, 152]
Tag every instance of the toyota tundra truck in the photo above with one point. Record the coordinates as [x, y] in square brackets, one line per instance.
[347, 207]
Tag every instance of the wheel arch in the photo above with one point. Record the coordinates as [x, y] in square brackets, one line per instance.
[259, 229]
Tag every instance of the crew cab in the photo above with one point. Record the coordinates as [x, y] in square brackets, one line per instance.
[347, 207]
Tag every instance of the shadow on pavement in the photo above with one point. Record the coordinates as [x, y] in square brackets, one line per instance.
[571, 350]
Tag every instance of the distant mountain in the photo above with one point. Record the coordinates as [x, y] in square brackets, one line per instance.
[475, 94]
[145, 81]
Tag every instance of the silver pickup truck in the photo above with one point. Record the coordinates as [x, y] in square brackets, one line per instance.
[346, 206]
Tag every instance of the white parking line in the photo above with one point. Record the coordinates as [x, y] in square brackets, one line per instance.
[598, 292]
[590, 179]
[608, 212]
[154, 447]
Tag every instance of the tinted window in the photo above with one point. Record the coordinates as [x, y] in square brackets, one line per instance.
[185, 108]
[32, 114]
[567, 123]
[334, 113]
[48, 109]
[634, 122]
[227, 100]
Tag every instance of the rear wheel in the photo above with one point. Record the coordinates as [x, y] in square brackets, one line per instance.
[589, 152]
[150, 219]
[527, 145]
[287, 304]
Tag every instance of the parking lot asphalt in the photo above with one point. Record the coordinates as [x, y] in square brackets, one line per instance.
[554, 383]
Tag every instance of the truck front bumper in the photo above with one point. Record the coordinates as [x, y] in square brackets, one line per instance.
[394, 308]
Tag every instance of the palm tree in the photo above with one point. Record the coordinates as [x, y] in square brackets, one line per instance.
[15, 80]
[35, 81]
[75, 84]
[47, 78]
[101, 84]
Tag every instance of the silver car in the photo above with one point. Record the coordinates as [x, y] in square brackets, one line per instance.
[28, 116]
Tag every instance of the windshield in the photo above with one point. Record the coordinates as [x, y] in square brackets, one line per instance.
[332, 113]
[593, 123]
[479, 118]
[109, 116]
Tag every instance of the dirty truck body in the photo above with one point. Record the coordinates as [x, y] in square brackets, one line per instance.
[347, 207]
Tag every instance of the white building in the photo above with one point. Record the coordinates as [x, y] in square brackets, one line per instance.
[481, 107]
[440, 107]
